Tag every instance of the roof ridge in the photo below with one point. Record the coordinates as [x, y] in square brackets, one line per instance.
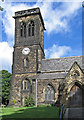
[62, 57]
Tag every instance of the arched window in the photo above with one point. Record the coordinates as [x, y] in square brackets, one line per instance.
[31, 29]
[23, 29]
[49, 93]
[26, 84]
[26, 62]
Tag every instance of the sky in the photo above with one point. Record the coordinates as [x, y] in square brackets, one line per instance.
[63, 23]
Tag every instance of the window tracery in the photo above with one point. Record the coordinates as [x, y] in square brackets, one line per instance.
[23, 30]
[49, 93]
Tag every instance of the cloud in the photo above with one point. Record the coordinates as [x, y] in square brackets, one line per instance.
[8, 20]
[57, 51]
[56, 19]
[5, 56]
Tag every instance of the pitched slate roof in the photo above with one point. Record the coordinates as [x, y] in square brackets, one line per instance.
[57, 68]
[60, 64]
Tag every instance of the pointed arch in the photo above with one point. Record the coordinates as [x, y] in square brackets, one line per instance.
[74, 71]
[75, 82]
[49, 93]
[75, 95]
[70, 92]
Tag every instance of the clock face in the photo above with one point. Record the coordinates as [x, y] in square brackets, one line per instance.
[26, 51]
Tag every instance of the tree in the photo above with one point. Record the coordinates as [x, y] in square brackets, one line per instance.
[1, 9]
[5, 84]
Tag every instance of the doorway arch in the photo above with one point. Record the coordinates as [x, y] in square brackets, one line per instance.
[75, 88]
[75, 95]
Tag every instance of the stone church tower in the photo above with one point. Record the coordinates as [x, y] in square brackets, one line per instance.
[28, 53]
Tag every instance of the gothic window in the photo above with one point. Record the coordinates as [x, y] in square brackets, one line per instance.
[31, 29]
[23, 29]
[49, 93]
[26, 62]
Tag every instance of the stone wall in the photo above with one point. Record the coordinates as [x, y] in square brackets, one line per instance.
[75, 76]
[42, 84]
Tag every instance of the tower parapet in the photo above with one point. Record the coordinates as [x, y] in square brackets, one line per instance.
[29, 12]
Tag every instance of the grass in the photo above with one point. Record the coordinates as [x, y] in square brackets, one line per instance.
[32, 112]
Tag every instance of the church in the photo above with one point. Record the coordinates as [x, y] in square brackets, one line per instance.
[48, 81]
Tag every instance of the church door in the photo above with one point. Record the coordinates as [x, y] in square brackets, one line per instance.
[75, 99]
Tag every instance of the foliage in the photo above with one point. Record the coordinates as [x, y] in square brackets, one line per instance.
[53, 104]
[14, 101]
[5, 85]
[29, 102]
[45, 105]
[42, 105]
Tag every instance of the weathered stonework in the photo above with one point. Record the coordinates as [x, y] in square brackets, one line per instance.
[35, 44]
[59, 75]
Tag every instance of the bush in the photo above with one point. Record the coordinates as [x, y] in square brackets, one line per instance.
[29, 102]
[51, 105]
